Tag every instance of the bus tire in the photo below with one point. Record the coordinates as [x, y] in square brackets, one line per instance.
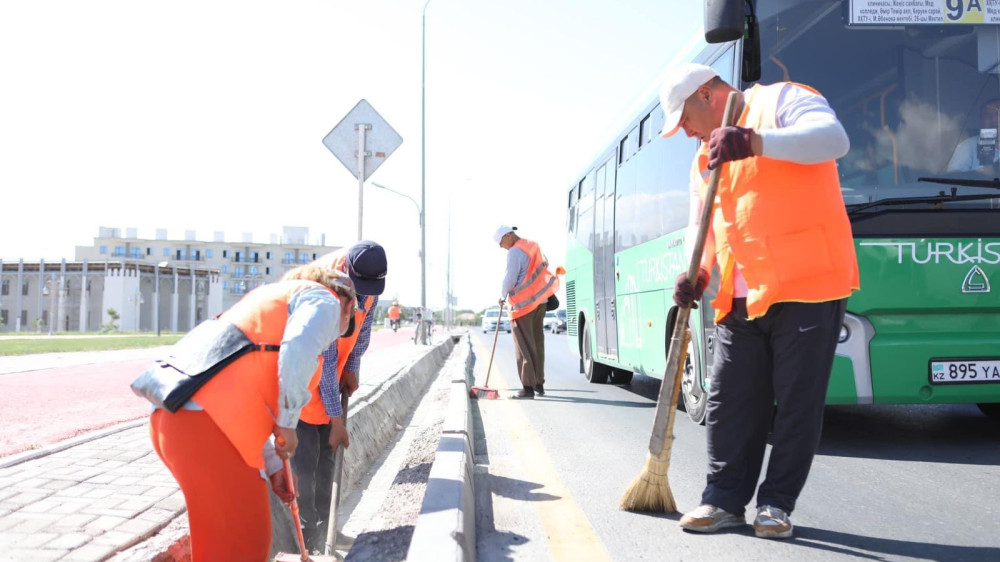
[693, 396]
[990, 410]
[595, 372]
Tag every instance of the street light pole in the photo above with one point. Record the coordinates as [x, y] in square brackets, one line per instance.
[447, 292]
[423, 154]
[423, 256]
[156, 298]
[52, 302]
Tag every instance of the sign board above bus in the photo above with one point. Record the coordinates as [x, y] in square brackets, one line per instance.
[925, 12]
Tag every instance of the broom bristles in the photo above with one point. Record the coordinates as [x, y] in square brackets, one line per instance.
[650, 490]
[484, 393]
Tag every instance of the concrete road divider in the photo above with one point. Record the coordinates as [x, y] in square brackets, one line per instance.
[446, 527]
[389, 388]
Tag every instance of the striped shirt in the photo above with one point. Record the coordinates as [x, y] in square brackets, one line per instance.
[329, 385]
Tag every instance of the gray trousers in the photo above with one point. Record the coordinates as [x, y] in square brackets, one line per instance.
[774, 367]
[313, 464]
[529, 346]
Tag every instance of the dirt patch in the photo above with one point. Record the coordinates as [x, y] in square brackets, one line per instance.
[387, 537]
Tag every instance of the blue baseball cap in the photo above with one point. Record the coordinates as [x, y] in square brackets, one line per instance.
[366, 266]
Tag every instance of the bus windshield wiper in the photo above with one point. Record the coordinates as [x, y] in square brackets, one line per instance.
[858, 207]
[993, 183]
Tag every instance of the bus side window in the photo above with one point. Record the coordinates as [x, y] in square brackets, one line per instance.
[571, 212]
[628, 146]
[656, 122]
[585, 212]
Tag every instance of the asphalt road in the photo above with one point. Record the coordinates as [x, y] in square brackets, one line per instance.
[888, 483]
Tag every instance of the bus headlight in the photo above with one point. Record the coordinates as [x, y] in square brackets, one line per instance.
[845, 334]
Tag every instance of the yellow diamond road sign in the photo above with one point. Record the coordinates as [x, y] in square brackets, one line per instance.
[362, 125]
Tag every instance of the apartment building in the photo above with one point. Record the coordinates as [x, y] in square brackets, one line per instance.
[153, 284]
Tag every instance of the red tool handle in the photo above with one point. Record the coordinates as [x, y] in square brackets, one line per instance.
[293, 505]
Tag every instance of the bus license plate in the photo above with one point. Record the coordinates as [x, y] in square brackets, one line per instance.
[965, 371]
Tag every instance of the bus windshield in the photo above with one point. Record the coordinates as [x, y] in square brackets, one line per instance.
[917, 100]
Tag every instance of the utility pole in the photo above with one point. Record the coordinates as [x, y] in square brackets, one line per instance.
[448, 311]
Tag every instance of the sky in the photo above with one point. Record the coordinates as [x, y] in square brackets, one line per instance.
[209, 116]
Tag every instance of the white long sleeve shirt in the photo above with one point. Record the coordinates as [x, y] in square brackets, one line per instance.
[807, 132]
[517, 270]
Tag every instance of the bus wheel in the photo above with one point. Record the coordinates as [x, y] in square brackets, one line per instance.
[991, 409]
[692, 392]
[594, 371]
[621, 376]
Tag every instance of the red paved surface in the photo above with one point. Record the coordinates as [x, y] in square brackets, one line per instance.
[39, 408]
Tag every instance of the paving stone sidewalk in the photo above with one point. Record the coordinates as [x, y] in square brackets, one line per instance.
[108, 493]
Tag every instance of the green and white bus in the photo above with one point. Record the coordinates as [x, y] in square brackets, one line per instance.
[909, 83]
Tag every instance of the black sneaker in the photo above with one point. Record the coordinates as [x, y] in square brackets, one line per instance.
[525, 393]
[539, 390]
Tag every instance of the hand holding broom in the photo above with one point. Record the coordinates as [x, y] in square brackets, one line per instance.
[650, 491]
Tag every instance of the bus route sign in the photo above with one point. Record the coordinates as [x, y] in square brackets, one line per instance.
[925, 12]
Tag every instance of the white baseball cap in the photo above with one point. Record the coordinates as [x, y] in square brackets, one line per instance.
[501, 231]
[680, 84]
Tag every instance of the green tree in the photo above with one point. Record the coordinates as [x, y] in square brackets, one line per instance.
[113, 325]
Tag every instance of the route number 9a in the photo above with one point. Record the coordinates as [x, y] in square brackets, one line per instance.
[959, 9]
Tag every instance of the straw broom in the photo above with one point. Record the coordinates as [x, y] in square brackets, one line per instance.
[650, 491]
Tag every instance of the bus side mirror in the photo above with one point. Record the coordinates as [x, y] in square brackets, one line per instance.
[730, 20]
[750, 70]
[723, 20]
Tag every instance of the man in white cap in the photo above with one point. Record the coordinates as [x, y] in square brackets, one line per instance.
[528, 285]
[785, 254]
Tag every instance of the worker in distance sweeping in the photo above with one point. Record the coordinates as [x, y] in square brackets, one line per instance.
[528, 285]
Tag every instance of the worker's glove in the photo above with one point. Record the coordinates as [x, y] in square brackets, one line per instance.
[687, 295]
[727, 144]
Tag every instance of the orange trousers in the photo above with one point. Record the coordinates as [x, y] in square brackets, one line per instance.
[227, 500]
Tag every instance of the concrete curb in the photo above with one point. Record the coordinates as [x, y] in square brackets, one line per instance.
[372, 422]
[446, 526]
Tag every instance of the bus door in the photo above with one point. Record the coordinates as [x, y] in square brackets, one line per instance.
[604, 260]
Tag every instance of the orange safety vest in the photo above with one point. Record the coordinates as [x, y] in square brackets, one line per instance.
[394, 313]
[314, 412]
[538, 285]
[242, 399]
[783, 223]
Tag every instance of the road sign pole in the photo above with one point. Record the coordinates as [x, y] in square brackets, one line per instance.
[350, 147]
[362, 128]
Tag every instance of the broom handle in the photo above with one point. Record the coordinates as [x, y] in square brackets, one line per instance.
[293, 505]
[496, 335]
[338, 472]
[678, 340]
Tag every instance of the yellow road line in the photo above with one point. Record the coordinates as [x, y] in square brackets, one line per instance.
[569, 533]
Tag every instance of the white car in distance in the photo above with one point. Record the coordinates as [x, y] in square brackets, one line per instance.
[490, 317]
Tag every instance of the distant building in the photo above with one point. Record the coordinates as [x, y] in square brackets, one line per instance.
[160, 283]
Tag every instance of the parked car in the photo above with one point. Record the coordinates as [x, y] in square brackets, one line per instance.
[555, 321]
[550, 320]
[490, 317]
